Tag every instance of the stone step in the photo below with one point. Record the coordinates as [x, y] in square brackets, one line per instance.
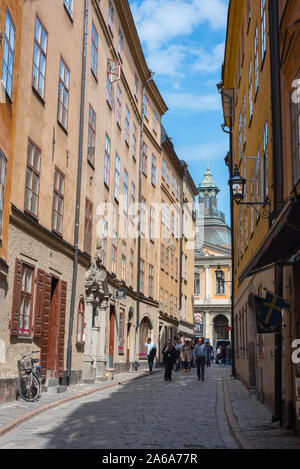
[51, 382]
[56, 389]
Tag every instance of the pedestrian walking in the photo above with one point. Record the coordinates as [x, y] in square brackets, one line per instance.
[151, 352]
[186, 355]
[209, 353]
[200, 355]
[178, 348]
[219, 354]
[169, 357]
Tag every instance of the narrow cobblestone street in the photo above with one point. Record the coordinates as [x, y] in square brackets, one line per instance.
[162, 415]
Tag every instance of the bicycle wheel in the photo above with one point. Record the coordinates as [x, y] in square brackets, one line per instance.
[29, 387]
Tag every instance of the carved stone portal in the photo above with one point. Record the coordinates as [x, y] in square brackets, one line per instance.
[96, 299]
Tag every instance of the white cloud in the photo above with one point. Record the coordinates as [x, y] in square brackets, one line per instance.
[204, 151]
[209, 61]
[192, 102]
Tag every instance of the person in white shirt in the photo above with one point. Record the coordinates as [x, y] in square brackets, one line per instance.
[151, 351]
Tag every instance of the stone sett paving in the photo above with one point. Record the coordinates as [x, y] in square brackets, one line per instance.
[144, 414]
[150, 413]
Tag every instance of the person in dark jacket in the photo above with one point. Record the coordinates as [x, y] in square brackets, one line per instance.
[169, 357]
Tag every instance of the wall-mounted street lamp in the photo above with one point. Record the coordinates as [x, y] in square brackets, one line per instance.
[237, 185]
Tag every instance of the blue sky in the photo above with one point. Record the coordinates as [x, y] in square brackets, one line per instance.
[183, 42]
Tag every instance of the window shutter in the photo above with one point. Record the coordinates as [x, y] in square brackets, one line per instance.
[39, 303]
[45, 316]
[61, 330]
[14, 325]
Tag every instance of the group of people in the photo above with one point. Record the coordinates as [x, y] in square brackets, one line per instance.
[223, 354]
[182, 355]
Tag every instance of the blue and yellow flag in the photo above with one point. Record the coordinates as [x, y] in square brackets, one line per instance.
[268, 313]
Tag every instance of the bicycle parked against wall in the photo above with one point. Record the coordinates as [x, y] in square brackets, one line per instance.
[29, 381]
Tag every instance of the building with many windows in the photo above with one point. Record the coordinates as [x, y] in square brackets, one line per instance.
[83, 250]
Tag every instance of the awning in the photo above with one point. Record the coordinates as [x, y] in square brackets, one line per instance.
[281, 241]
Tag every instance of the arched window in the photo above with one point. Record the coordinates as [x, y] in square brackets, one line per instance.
[80, 338]
[145, 332]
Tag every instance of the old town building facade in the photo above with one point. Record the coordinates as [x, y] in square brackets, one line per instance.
[83, 258]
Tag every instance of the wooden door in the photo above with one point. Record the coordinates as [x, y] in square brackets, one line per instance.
[53, 327]
[112, 335]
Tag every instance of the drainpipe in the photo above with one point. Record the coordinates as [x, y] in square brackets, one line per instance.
[78, 193]
[278, 184]
[184, 165]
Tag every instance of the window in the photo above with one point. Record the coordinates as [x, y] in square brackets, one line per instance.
[92, 136]
[177, 190]
[123, 262]
[220, 284]
[185, 259]
[120, 44]
[256, 75]
[173, 223]
[94, 52]
[143, 216]
[131, 269]
[161, 300]
[166, 302]
[172, 265]
[69, 6]
[121, 331]
[8, 54]
[63, 94]
[88, 223]
[125, 192]
[3, 162]
[111, 17]
[145, 159]
[134, 140]
[167, 261]
[117, 176]
[136, 86]
[250, 92]
[39, 58]
[173, 184]
[152, 222]
[197, 284]
[175, 305]
[132, 202]
[171, 305]
[146, 106]
[114, 252]
[80, 338]
[176, 268]
[162, 255]
[295, 118]
[153, 170]
[32, 182]
[106, 160]
[26, 301]
[154, 121]
[108, 89]
[127, 118]
[265, 160]
[119, 105]
[263, 29]
[163, 169]
[167, 175]
[142, 276]
[151, 280]
[104, 241]
[58, 201]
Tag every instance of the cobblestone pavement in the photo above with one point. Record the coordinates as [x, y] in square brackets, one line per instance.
[150, 413]
[142, 414]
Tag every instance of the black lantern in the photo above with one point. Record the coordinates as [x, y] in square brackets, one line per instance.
[237, 185]
[220, 274]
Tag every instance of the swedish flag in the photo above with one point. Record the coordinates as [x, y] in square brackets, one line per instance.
[268, 313]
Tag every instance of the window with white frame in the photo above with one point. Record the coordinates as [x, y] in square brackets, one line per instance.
[123, 262]
[120, 44]
[114, 252]
[106, 160]
[69, 7]
[134, 140]
[127, 120]
[39, 57]
[152, 222]
[163, 169]
[197, 283]
[143, 216]
[94, 51]
[8, 53]
[132, 202]
[108, 89]
[104, 241]
[153, 170]
[146, 106]
[119, 105]
[151, 280]
[125, 190]
[145, 159]
[117, 176]
[167, 175]
[154, 121]
[142, 276]
[111, 16]
[136, 86]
